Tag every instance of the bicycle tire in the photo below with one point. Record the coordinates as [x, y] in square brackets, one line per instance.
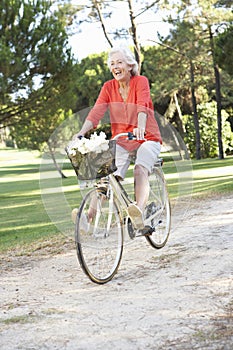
[99, 243]
[160, 216]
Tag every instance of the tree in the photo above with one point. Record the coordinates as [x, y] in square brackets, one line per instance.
[184, 79]
[210, 16]
[177, 68]
[218, 93]
[37, 71]
[101, 10]
[35, 59]
[218, 18]
[208, 121]
[91, 73]
[224, 50]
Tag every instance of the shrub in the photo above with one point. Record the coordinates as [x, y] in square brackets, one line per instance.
[208, 131]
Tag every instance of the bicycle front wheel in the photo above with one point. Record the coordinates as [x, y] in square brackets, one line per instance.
[99, 236]
[158, 210]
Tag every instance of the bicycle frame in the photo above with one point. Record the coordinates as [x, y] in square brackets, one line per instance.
[99, 238]
[123, 198]
[119, 192]
[117, 188]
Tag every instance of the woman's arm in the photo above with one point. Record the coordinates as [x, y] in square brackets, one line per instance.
[139, 132]
[87, 126]
[95, 114]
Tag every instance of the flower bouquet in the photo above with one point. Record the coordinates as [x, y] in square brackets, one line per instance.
[92, 158]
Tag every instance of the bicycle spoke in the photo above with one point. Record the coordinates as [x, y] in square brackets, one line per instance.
[99, 248]
[158, 210]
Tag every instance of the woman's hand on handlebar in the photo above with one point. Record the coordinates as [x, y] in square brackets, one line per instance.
[139, 133]
[87, 126]
[77, 136]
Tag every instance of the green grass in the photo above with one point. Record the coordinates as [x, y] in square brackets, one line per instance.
[24, 218]
[213, 176]
[199, 177]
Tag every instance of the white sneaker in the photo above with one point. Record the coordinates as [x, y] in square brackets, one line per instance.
[83, 224]
[74, 214]
[136, 216]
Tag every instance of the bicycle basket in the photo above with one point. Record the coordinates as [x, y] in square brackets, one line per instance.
[94, 165]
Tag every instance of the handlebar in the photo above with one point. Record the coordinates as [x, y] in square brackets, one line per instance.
[129, 136]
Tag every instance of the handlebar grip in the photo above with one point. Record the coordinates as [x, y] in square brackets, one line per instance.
[131, 136]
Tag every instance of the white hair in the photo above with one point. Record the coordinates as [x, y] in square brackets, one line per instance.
[128, 56]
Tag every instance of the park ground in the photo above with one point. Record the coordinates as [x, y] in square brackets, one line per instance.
[179, 297]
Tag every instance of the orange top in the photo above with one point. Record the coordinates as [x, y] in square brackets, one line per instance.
[124, 115]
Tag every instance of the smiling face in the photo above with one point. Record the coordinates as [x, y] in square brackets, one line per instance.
[119, 68]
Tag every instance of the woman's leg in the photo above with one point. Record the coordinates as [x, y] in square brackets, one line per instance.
[141, 186]
[122, 161]
[147, 154]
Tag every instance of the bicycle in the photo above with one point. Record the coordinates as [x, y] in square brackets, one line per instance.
[102, 221]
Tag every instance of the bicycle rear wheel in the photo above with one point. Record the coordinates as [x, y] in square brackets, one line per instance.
[99, 236]
[158, 210]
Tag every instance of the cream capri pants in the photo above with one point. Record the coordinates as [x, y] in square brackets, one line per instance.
[146, 155]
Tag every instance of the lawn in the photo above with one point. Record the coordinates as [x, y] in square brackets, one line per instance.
[36, 203]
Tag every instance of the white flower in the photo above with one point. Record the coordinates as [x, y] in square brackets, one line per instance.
[96, 143]
[72, 152]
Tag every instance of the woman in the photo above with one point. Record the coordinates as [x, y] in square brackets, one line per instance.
[127, 96]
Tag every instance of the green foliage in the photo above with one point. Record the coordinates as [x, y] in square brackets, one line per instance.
[91, 73]
[168, 66]
[165, 71]
[34, 134]
[35, 59]
[208, 130]
[185, 65]
[224, 50]
[40, 84]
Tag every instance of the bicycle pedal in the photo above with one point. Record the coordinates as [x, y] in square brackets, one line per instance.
[147, 231]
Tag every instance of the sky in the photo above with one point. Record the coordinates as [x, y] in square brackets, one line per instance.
[90, 38]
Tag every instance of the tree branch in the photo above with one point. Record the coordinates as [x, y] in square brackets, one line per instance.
[134, 34]
[146, 8]
[97, 7]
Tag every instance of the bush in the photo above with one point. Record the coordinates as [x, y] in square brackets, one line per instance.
[10, 143]
[208, 131]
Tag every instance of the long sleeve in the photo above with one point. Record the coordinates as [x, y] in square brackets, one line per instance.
[142, 91]
[100, 107]
[124, 115]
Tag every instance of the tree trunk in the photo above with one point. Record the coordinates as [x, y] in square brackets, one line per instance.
[195, 114]
[218, 97]
[137, 50]
[179, 118]
[96, 4]
[55, 162]
[219, 110]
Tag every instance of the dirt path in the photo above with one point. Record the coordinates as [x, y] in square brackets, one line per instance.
[180, 297]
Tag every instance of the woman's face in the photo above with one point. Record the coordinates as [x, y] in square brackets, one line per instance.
[119, 68]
